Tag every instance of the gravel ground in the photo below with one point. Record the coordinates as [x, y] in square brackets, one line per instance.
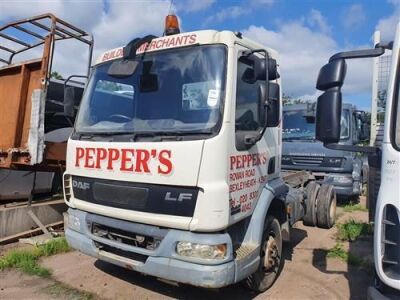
[307, 274]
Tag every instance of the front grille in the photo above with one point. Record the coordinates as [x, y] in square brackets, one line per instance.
[391, 242]
[307, 160]
[127, 254]
[125, 237]
[145, 197]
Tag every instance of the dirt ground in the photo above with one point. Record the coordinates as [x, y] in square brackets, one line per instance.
[307, 274]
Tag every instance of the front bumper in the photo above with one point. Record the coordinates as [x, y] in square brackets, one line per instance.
[344, 184]
[162, 262]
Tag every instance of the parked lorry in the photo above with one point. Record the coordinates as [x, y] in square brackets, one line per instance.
[345, 170]
[173, 166]
[36, 118]
[386, 157]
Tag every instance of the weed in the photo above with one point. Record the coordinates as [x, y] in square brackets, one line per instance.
[352, 230]
[338, 252]
[27, 259]
[351, 207]
[54, 246]
[58, 290]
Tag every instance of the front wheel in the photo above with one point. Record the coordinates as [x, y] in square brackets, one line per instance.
[271, 260]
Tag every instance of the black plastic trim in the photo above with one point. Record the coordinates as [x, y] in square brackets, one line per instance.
[145, 197]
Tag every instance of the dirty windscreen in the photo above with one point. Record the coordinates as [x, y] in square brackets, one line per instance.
[179, 90]
[297, 126]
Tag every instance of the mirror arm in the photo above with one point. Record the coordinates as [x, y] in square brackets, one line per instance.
[73, 76]
[358, 54]
[352, 148]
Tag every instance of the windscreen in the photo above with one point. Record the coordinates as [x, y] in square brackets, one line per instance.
[299, 125]
[178, 90]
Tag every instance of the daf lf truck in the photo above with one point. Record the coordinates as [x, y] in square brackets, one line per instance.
[173, 167]
[345, 170]
[386, 156]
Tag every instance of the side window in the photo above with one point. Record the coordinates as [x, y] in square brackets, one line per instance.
[246, 117]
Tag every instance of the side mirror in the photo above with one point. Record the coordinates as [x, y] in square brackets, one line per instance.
[332, 75]
[364, 133]
[274, 105]
[260, 69]
[362, 125]
[257, 69]
[329, 109]
[329, 104]
[69, 101]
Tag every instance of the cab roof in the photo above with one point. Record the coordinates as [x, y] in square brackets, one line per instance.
[201, 37]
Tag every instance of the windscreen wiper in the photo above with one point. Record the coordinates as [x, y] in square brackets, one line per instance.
[92, 135]
[299, 138]
[177, 135]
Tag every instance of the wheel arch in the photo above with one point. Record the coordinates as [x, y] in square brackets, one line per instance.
[270, 202]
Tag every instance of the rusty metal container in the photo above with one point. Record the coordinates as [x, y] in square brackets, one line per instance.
[26, 114]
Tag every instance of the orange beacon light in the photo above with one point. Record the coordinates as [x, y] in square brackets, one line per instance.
[171, 25]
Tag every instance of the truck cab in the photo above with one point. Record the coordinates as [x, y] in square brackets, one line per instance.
[173, 167]
[174, 160]
[387, 154]
[301, 151]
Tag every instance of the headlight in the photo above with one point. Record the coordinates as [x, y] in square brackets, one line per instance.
[74, 223]
[334, 161]
[189, 249]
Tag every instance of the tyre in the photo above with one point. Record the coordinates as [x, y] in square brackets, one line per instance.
[310, 216]
[271, 260]
[326, 206]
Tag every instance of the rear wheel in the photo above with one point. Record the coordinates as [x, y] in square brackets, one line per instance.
[326, 206]
[270, 258]
[310, 217]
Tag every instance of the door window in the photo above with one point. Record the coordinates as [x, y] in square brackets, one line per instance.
[246, 117]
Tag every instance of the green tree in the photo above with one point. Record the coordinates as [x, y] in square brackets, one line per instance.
[56, 75]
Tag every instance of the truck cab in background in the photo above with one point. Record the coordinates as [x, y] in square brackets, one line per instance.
[301, 151]
[387, 211]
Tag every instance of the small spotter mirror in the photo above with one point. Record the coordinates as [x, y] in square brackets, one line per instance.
[122, 68]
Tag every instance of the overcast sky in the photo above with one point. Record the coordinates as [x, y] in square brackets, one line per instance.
[305, 33]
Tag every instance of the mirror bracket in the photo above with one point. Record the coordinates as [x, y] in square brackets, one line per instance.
[358, 54]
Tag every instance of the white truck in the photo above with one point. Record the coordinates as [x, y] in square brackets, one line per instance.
[173, 167]
[386, 156]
